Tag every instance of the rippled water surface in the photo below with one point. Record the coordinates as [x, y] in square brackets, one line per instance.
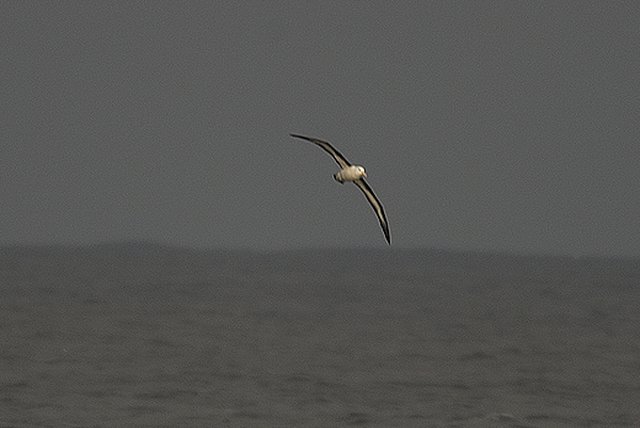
[118, 335]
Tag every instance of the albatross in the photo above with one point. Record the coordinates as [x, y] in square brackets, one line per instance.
[354, 174]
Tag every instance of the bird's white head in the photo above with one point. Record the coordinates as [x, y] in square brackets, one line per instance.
[361, 171]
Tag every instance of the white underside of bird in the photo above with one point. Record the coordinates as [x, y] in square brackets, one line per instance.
[350, 173]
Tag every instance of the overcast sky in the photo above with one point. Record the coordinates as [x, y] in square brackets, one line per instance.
[506, 125]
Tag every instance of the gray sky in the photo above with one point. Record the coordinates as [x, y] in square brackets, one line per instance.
[483, 125]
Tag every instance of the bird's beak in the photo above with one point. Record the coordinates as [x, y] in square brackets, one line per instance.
[364, 174]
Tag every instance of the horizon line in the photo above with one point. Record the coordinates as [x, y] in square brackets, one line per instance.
[237, 249]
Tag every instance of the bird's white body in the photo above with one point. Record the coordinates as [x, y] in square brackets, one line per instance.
[350, 173]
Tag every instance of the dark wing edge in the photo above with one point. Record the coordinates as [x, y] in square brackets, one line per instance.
[336, 155]
[376, 205]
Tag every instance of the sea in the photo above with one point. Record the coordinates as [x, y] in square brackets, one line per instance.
[143, 334]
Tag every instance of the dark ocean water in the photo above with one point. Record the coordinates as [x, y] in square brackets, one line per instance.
[145, 335]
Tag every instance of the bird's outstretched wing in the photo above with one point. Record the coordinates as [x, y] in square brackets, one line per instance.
[377, 206]
[336, 155]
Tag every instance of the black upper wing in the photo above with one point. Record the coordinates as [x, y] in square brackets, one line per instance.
[377, 206]
[336, 155]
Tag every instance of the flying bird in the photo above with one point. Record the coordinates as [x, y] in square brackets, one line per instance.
[355, 174]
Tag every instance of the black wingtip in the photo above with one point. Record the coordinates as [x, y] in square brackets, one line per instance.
[385, 231]
[301, 136]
